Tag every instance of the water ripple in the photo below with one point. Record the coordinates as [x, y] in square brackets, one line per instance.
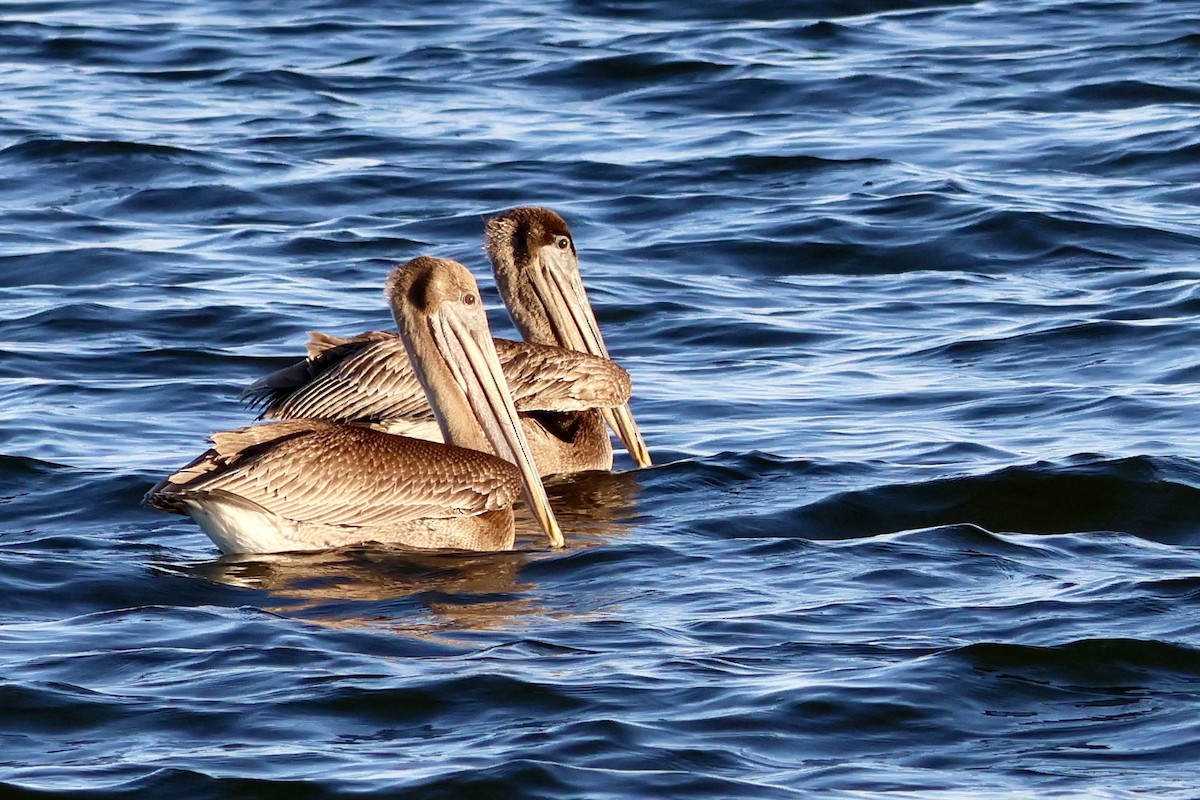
[907, 291]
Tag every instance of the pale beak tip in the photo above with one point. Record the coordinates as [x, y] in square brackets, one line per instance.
[620, 419]
[640, 453]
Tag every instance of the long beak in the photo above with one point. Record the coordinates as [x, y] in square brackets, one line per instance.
[561, 291]
[620, 419]
[473, 361]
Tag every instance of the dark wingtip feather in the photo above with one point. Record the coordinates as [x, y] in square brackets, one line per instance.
[160, 497]
[268, 393]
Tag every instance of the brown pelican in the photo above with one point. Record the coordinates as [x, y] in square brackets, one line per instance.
[564, 383]
[316, 484]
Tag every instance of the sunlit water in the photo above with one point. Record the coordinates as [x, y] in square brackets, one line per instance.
[909, 296]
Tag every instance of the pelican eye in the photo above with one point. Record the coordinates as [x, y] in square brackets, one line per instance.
[563, 243]
[469, 299]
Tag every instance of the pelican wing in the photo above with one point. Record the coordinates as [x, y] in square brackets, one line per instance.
[368, 379]
[321, 472]
[547, 378]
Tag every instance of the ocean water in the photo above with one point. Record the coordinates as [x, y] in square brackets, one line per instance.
[909, 293]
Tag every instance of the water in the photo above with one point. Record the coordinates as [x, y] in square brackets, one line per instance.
[909, 295]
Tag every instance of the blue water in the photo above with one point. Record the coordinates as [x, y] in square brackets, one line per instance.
[909, 293]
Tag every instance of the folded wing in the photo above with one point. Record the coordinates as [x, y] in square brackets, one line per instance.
[319, 472]
[368, 379]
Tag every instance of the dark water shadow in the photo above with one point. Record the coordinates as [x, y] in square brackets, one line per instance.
[1154, 498]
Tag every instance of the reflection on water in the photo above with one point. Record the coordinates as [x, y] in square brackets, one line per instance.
[413, 591]
[425, 592]
[593, 507]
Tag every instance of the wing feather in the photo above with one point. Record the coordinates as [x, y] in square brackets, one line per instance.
[320, 472]
[547, 378]
[368, 379]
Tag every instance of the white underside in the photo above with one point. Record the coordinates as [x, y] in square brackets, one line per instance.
[238, 526]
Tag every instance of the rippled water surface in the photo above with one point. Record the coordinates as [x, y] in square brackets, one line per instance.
[909, 295]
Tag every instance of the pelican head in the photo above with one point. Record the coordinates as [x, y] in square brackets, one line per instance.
[444, 328]
[537, 273]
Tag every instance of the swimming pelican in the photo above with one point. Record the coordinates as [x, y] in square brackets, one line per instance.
[564, 383]
[317, 484]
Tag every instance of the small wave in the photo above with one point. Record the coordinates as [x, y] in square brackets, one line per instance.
[352, 246]
[17, 467]
[821, 31]
[197, 75]
[766, 10]
[187, 327]
[1188, 42]
[44, 148]
[1070, 342]
[1088, 660]
[1170, 161]
[275, 78]
[1154, 498]
[191, 202]
[37, 497]
[785, 256]
[1117, 94]
[631, 70]
[84, 169]
[68, 266]
[329, 87]
[733, 469]
[774, 164]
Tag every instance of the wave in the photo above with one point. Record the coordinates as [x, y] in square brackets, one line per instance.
[58, 150]
[1108, 662]
[806, 10]
[1150, 497]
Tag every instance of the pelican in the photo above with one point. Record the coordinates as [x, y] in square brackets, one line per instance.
[315, 484]
[564, 383]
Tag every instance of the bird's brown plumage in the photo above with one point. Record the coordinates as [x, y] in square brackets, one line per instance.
[310, 484]
[556, 385]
